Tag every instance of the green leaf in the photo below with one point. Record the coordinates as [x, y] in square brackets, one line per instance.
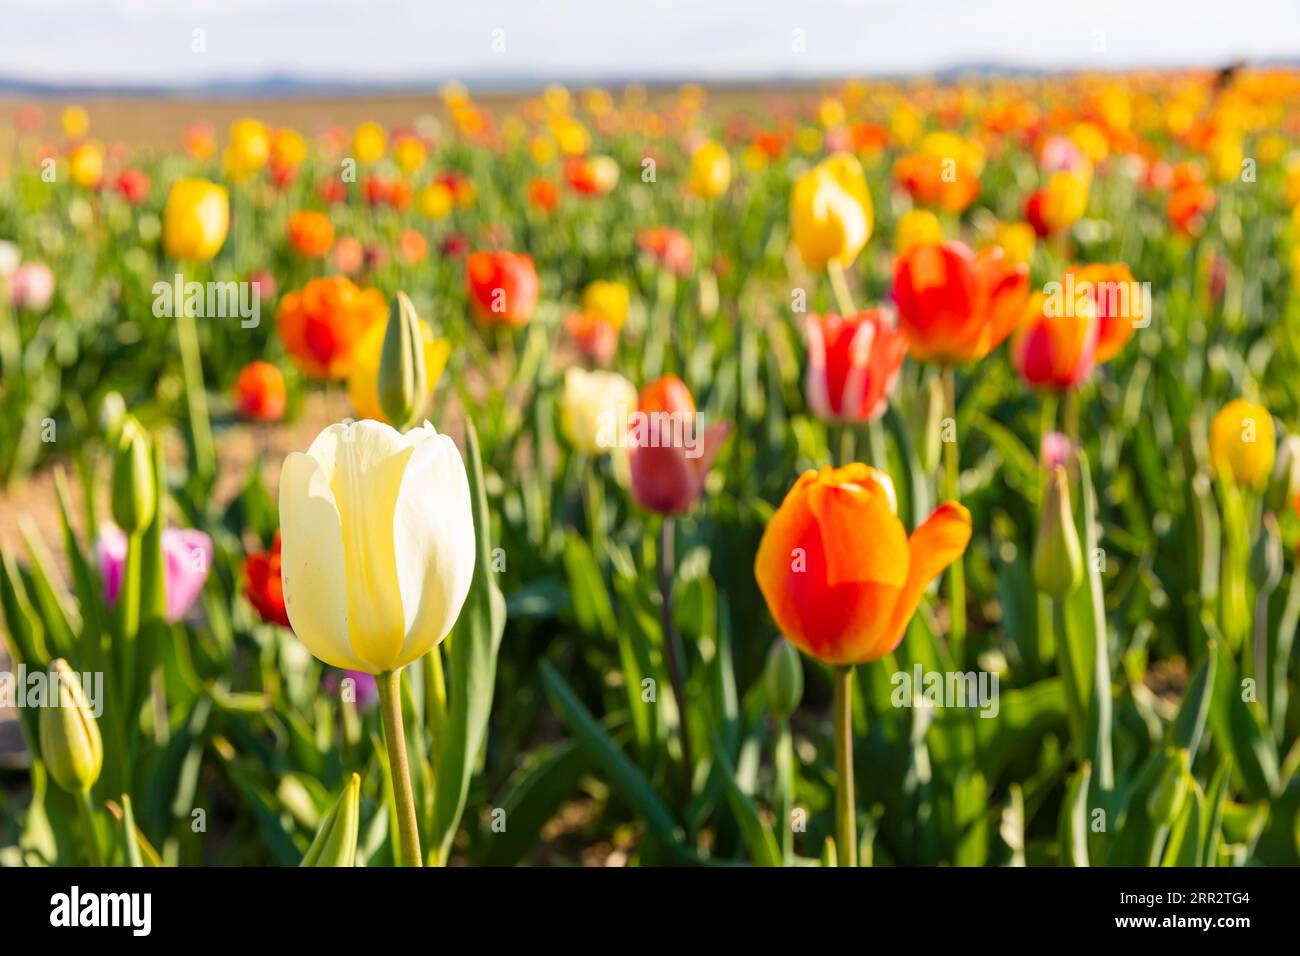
[763, 849]
[1074, 819]
[623, 774]
[536, 794]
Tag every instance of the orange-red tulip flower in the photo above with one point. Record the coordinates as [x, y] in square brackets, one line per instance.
[311, 234]
[670, 457]
[955, 306]
[853, 363]
[1055, 347]
[669, 247]
[1188, 206]
[1120, 303]
[321, 324]
[840, 575]
[503, 287]
[259, 392]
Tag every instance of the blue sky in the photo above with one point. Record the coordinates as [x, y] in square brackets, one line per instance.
[151, 41]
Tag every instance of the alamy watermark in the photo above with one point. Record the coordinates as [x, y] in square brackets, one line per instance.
[209, 300]
[965, 689]
[624, 428]
[40, 688]
[1084, 297]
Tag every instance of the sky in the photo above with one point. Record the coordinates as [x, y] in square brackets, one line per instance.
[154, 42]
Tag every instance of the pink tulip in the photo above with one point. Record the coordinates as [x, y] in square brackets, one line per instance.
[1056, 449]
[31, 286]
[187, 556]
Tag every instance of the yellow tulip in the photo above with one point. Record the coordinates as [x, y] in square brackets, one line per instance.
[1017, 241]
[831, 113]
[1065, 199]
[592, 408]
[70, 742]
[917, 227]
[249, 149]
[409, 153]
[377, 543]
[1242, 443]
[86, 165]
[369, 142]
[363, 374]
[606, 300]
[710, 170]
[75, 121]
[195, 219]
[436, 200]
[831, 215]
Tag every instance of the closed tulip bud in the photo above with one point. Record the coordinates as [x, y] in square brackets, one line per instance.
[1242, 443]
[1166, 798]
[594, 409]
[1058, 558]
[783, 680]
[1266, 556]
[112, 412]
[132, 484]
[403, 377]
[336, 837]
[1284, 487]
[377, 543]
[195, 219]
[70, 743]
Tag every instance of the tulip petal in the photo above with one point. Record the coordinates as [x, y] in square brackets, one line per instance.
[312, 563]
[937, 543]
[842, 511]
[188, 555]
[433, 541]
[365, 462]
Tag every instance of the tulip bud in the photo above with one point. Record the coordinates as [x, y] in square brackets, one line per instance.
[1058, 559]
[112, 412]
[930, 443]
[70, 741]
[336, 838]
[1266, 556]
[783, 680]
[403, 377]
[1166, 798]
[1284, 487]
[132, 488]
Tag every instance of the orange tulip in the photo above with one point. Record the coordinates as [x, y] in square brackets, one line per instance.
[669, 458]
[955, 306]
[259, 392]
[1055, 347]
[853, 364]
[503, 287]
[311, 234]
[1188, 206]
[1119, 301]
[321, 324]
[840, 575]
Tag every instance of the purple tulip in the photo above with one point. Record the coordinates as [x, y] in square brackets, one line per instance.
[31, 286]
[364, 688]
[187, 556]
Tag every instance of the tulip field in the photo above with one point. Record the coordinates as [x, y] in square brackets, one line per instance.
[870, 473]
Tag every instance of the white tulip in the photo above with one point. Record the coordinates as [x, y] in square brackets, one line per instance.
[377, 543]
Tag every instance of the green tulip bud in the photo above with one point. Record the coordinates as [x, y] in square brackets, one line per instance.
[930, 427]
[336, 837]
[403, 378]
[783, 680]
[1166, 798]
[1058, 558]
[1266, 556]
[132, 489]
[112, 412]
[70, 741]
[1284, 485]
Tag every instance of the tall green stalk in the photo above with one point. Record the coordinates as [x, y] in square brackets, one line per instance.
[951, 491]
[846, 829]
[390, 708]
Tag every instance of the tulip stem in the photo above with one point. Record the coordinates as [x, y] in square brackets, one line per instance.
[846, 828]
[952, 492]
[390, 707]
[671, 649]
[840, 286]
[196, 398]
[87, 813]
[1071, 415]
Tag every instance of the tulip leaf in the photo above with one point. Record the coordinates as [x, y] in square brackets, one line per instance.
[763, 848]
[623, 774]
[536, 794]
[473, 647]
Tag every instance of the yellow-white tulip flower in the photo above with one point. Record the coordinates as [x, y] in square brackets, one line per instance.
[595, 408]
[377, 543]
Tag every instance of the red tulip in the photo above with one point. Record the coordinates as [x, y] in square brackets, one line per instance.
[503, 287]
[670, 459]
[259, 392]
[853, 364]
[264, 589]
